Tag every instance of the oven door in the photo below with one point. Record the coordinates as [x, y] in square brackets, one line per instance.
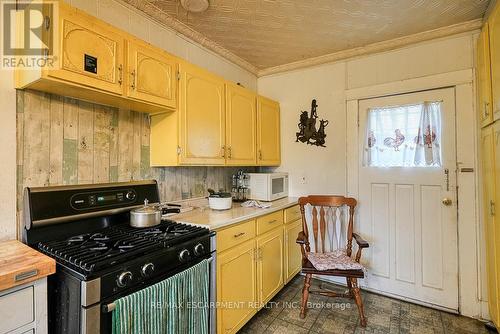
[103, 313]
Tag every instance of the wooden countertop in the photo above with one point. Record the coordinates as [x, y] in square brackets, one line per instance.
[20, 264]
[214, 219]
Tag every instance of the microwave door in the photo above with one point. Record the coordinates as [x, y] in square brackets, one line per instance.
[277, 186]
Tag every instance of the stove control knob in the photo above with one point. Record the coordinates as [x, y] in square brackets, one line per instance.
[130, 195]
[199, 249]
[147, 269]
[184, 255]
[124, 279]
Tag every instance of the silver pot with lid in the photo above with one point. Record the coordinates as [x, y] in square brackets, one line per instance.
[147, 215]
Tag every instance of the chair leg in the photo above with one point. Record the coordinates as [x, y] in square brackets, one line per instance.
[349, 286]
[305, 295]
[359, 302]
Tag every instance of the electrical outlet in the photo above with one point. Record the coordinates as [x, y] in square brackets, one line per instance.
[303, 179]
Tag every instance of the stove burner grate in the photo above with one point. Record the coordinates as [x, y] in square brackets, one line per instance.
[91, 252]
[168, 232]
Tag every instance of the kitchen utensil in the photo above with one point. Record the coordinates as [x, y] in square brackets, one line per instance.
[219, 200]
[146, 216]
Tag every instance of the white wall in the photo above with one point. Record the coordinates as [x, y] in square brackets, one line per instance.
[322, 167]
[7, 156]
[132, 21]
[325, 168]
[333, 84]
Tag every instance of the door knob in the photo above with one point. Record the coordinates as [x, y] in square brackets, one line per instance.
[447, 201]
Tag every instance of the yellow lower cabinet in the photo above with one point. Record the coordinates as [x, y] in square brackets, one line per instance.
[269, 264]
[236, 287]
[293, 256]
[488, 164]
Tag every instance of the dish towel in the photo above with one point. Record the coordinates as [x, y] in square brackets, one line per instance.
[179, 304]
[256, 204]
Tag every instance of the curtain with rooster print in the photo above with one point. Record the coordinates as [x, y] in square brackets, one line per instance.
[404, 136]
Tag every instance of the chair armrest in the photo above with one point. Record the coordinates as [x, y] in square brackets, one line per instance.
[301, 238]
[360, 241]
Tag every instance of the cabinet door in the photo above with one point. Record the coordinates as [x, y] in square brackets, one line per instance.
[152, 74]
[268, 132]
[494, 37]
[90, 53]
[236, 287]
[484, 78]
[241, 125]
[488, 164]
[202, 116]
[269, 264]
[293, 255]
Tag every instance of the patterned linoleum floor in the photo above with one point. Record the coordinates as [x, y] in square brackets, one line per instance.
[336, 315]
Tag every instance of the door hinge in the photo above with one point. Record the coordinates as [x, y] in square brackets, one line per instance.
[179, 150]
[178, 75]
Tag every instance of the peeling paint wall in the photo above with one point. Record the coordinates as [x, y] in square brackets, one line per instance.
[66, 141]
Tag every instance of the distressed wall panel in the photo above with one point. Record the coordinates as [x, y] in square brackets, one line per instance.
[66, 141]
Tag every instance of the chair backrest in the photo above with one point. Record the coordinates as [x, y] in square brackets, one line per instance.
[327, 222]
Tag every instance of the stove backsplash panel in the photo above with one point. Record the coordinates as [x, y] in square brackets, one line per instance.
[66, 141]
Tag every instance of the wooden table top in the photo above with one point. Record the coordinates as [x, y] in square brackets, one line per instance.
[20, 264]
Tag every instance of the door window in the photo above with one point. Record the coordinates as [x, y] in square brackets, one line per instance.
[403, 136]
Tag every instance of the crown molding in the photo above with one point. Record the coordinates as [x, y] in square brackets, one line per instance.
[376, 47]
[163, 18]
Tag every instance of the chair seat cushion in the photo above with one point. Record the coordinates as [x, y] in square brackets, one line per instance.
[337, 260]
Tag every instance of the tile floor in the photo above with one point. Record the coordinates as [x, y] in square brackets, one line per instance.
[331, 315]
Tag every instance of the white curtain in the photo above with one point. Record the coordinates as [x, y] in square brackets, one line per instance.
[404, 136]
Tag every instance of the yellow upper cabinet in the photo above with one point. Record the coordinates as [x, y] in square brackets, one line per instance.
[268, 132]
[202, 117]
[241, 125]
[151, 75]
[494, 38]
[91, 54]
[90, 63]
[484, 78]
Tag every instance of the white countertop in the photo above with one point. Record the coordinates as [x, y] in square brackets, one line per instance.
[214, 220]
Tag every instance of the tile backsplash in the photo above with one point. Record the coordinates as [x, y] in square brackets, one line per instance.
[66, 141]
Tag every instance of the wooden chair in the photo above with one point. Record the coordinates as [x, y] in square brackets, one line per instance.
[331, 238]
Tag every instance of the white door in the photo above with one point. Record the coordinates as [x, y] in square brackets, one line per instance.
[408, 212]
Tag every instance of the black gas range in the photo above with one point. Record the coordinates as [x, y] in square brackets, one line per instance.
[99, 256]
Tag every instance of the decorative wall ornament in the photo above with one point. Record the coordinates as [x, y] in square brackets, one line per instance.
[307, 128]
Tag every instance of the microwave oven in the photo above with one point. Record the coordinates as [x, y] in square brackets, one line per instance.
[267, 186]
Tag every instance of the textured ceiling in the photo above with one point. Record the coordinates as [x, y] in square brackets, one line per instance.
[268, 33]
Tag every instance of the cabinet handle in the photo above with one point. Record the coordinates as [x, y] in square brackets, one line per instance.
[239, 234]
[120, 75]
[260, 154]
[229, 154]
[26, 275]
[223, 150]
[272, 221]
[46, 22]
[132, 84]
[486, 112]
[492, 208]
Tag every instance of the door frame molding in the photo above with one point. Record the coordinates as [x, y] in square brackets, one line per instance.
[470, 251]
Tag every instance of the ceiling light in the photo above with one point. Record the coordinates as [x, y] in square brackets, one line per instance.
[195, 6]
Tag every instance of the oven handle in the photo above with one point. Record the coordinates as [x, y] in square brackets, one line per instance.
[111, 306]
